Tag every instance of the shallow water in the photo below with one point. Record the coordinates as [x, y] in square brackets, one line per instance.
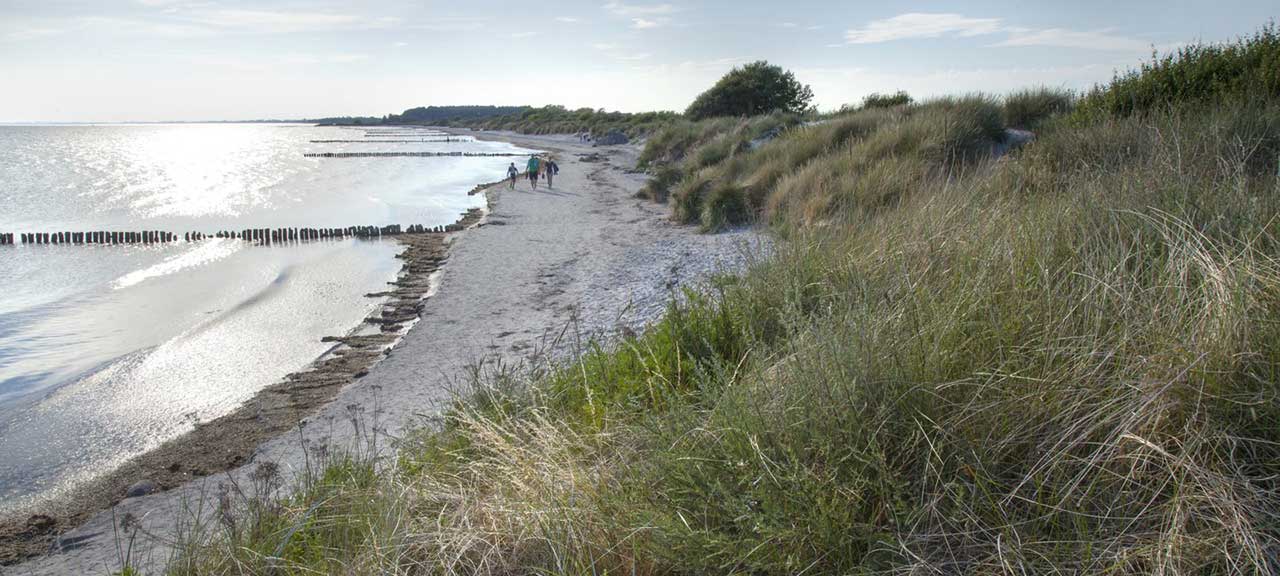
[107, 351]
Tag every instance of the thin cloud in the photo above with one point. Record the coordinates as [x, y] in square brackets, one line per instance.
[451, 24]
[281, 22]
[921, 25]
[273, 64]
[201, 23]
[309, 59]
[644, 16]
[707, 69]
[612, 51]
[31, 33]
[567, 19]
[518, 35]
[347, 58]
[640, 10]
[1063, 38]
[937, 25]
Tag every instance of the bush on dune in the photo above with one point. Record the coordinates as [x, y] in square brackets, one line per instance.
[750, 90]
[1208, 74]
[877, 100]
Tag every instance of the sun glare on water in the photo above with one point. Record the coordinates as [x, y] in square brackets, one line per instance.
[206, 170]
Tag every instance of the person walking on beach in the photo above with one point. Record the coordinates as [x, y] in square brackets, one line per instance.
[552, 169]
[532, 169]
[512, 172]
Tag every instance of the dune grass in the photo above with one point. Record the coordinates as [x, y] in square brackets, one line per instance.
[1028, 109]
[1066, 360]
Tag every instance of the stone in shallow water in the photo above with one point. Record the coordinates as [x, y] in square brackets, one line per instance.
[140, 488]
[40, 524]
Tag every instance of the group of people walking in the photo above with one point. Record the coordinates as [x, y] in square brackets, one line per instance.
[533, 169]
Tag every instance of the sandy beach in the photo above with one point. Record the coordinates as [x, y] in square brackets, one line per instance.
[542, 272]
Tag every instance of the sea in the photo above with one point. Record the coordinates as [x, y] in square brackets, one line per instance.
[109, 351]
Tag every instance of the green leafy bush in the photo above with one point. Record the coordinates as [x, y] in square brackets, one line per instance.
[877, 100]
[750, 90]
[1245, 70]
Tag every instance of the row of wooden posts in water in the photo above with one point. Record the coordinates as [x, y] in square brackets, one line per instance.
[422, 154]
[411, 133]
[262, 236]
[424, 141]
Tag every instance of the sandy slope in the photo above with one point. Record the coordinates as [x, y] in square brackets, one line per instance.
[586, 255]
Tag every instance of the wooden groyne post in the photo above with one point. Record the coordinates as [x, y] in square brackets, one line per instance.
[410, 154]
[259, 236]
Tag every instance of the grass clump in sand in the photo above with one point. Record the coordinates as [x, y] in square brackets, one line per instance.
[1028, 109]
[1066, 360]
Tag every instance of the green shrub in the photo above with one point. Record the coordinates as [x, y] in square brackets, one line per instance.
[877, 100]
[1247, 70]
[750, 90]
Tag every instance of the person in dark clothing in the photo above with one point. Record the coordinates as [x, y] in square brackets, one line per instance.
[551, 169]
[512, 172]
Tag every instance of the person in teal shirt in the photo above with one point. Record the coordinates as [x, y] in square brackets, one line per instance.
[532, 169]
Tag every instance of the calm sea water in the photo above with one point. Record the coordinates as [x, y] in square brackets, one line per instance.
[108, 351]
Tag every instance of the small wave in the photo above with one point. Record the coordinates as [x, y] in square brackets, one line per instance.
[208, 251]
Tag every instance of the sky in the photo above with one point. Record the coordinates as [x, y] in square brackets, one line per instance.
[158, 60]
